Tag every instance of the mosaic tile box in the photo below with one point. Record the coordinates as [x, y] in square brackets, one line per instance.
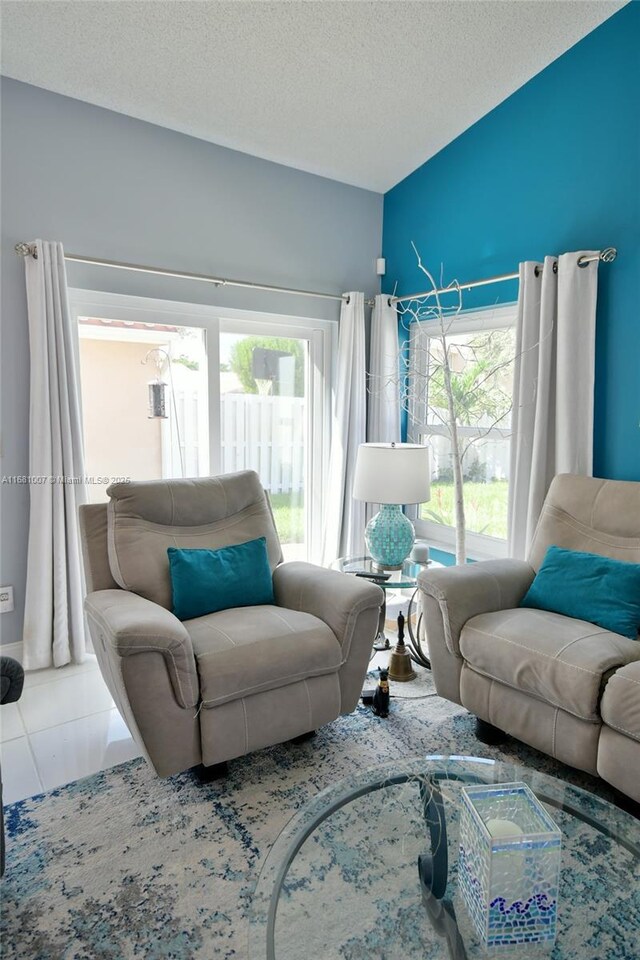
[509, 865]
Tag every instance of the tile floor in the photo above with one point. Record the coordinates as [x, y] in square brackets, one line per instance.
[64, 726]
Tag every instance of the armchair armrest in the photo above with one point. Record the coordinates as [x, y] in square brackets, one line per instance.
[131, 624]
[468, 590]
[336, 598]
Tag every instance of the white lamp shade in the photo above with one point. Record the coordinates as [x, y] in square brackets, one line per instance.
[392, 473]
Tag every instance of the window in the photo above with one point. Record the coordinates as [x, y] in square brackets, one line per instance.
[237, 391]
[480, 347]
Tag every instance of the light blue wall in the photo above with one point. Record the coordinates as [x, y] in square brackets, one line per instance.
[113, 187]
[555, 167]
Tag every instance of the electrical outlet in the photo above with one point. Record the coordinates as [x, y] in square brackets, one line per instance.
[6, 599]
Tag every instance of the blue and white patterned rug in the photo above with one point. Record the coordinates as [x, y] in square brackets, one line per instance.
[124, 865]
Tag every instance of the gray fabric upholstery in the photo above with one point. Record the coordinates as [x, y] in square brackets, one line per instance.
[216, 687]
[145, 518]
[564, 686]
[541, 725]
[620, 705]
[130, 625]
[248, 650]
[93, 536]
[586, 513]
[556, 659]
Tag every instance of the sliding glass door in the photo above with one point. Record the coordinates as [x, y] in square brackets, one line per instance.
[180, 390]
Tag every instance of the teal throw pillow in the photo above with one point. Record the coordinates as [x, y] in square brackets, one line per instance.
[204, 581]
[586, 586]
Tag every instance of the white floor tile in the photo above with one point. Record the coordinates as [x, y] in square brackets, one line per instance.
[81, 747]
[11, 725]
[63, 699]
[19, 775]
[33, 678]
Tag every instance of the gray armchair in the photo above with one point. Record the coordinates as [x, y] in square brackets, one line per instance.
[564, 686]
[206, 690]
[11, 684]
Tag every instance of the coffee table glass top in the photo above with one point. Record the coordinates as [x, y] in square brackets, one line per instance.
[403, 579]
[341, 881]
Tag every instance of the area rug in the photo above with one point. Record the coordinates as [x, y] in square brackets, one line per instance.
[124, 865]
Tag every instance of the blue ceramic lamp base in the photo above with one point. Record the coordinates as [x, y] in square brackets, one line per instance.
[389, 537]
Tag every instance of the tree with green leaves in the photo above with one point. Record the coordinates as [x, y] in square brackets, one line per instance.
[241, 359]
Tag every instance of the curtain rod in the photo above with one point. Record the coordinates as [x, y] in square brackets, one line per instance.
[29, 249]
[606, 256]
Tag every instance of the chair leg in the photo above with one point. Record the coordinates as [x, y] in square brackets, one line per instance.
[487, 733]
[217, 771]
[304, 737]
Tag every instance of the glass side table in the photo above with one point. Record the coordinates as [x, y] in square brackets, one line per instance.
[404, 579]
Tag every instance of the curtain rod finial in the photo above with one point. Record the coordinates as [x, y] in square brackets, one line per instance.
[25, 249]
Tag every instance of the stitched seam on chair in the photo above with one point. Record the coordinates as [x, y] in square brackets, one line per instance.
[588, 531]
[553, 735]
[535, 696]
[280, 617]
[521, 646]
[595, 501]
[164, 650]
[111, 546]
[211, 626]
[217, 653]
[497, 583]
[306, 687]
[614, 726]
[446, 623]
[246, 726]
[267, 685]
[193, 530]
[617, 676]
[173, 504]
[491, 683]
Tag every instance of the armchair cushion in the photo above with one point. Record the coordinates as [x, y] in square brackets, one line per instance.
[562, 661]
[247, 650]
[620, 705]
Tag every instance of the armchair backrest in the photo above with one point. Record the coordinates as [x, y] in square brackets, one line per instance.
[590, 514]
[144, 518]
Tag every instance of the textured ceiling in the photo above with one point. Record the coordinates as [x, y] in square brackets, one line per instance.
[362, 92]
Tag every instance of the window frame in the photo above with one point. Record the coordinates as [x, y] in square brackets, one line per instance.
[479, 546]
[320, 334]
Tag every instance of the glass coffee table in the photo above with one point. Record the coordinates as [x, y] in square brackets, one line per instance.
[404, 579]
[368, 871]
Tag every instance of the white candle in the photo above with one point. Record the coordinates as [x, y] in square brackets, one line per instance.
[420, 552]
[511, 862]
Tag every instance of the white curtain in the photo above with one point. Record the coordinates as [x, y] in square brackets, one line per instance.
[54, 621]
[345, 517]
[552, 419]
[383, 417]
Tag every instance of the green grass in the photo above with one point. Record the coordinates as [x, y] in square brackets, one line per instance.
[288, 513]
[485, 506]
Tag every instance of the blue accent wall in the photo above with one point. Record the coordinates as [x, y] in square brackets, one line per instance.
[555, 167]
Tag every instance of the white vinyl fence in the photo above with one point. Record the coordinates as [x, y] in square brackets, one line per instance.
[261, 433]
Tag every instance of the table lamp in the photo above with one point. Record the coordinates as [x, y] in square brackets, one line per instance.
[391, 474]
